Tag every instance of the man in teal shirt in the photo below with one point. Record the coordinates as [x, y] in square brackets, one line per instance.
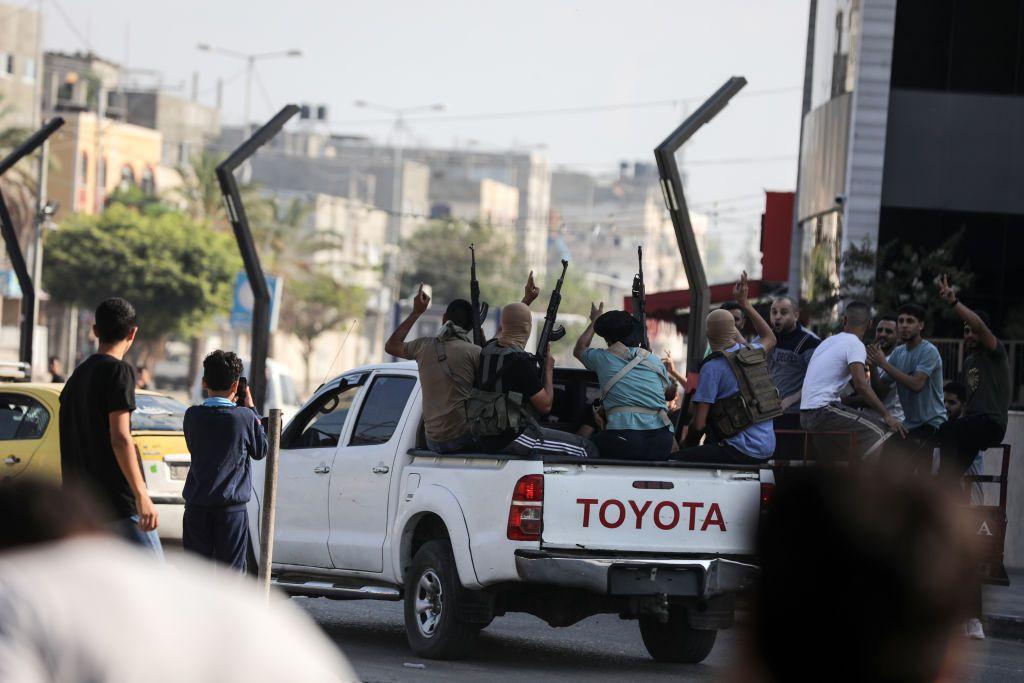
[916, 367]
[634, 388]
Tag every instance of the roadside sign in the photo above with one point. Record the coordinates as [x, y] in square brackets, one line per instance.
[241, 309]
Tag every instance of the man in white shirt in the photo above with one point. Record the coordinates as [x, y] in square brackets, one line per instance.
[839, 360]
[79, 604]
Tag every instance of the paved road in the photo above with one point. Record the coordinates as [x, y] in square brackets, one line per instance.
[520, 647]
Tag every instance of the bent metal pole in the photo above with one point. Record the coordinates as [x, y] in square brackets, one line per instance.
[269, 502]
[21, 270]
[246, 245]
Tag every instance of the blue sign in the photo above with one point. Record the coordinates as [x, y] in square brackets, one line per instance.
[241, 310]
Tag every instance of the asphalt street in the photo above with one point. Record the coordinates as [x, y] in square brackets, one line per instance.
[520, 647]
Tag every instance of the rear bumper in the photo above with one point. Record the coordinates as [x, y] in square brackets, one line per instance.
[169, 516]
[703, 578]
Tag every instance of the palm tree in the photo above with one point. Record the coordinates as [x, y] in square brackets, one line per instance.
[19, 183]
[200, 196]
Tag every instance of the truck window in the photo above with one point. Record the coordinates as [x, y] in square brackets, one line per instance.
[322, 422]
[382, 410]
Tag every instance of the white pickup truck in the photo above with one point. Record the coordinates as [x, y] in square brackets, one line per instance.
[365, 512]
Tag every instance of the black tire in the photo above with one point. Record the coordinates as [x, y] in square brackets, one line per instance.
[434, 630]
[674, 641]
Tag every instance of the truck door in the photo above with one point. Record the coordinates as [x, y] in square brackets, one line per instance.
[308, 451]
[361, 479]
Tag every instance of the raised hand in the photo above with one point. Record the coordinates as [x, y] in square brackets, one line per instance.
[875, 354]
[742, 290]
[596, 311]
[946, 293]
[531, 291]
[668, 362]
[421, 301]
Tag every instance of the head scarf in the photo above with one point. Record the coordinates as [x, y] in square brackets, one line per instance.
[722, 332]
[516, 324]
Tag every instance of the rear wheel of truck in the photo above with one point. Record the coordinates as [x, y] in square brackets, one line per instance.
[433, 594]
[675, 641]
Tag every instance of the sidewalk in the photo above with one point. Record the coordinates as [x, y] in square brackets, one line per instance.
[1004, 608]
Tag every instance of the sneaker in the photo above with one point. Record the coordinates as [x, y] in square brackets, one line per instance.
[973, 629]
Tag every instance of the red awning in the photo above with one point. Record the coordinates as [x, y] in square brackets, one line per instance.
[669, 306]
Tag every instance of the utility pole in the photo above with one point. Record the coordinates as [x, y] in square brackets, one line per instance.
[42, 215]
[391, 280]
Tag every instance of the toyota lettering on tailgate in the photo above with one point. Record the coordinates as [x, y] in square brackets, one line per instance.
[666, 515]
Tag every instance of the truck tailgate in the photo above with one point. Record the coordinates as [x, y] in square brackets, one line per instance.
[651, 509]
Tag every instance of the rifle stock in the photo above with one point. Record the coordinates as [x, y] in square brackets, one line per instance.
[549, 332]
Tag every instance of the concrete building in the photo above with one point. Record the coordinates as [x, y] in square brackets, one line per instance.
[486, 200]
[93, 157]
[20, 61]
[185, 124]
[911, 133]
[599, 223]
[81, 81]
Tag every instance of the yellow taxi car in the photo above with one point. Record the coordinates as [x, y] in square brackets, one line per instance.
[30, 443]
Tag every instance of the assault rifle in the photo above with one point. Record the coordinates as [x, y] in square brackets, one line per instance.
[479, 307]
[551, 332]
[640, 299]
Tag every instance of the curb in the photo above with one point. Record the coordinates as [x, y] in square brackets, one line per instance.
[1004, 627]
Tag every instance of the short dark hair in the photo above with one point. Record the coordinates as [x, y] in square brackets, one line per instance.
[888, 318]
[54, 358]
[460, 312]
[732, 306]
[894, 546]
[115, 319]
[38, 511]
[221, 369]
[912, 309]
[858, 312]
[958, 389]
[785, 297]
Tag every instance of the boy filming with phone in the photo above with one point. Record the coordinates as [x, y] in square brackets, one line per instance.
[222, 434]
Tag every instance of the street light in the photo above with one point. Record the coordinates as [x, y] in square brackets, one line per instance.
[250, 61]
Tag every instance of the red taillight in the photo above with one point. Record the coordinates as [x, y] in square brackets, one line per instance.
[526, 514]
[767, 493]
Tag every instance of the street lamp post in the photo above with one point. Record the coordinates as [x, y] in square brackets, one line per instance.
[394, 233]
[250, 63]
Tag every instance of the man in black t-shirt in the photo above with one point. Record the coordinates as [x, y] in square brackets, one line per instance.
[96, 447]
[987, 376]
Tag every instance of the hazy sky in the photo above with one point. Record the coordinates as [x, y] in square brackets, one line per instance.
[495, 58]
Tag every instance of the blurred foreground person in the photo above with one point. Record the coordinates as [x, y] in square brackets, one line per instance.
[78, 605]
[881, 592]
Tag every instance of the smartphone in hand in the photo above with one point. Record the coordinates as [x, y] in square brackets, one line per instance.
[243, 385]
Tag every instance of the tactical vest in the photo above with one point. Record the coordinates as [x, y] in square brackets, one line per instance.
[758, 398]
[490, 410]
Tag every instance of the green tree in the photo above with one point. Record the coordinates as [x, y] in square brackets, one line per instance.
[316, 303]
[178, 273]
[439, 256]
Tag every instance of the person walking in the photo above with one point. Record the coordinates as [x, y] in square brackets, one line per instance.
[222, 436]
[97, 451]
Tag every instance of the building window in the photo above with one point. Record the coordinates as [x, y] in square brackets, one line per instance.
[6, 64]
[127, 178]
[148, 183]
[29, 76]
[83, 168]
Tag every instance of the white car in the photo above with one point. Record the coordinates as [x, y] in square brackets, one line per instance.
[364, 511]
[281, 391]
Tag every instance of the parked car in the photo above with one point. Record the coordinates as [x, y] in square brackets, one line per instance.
[281, 391]
[30, 439]
[364, 511]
